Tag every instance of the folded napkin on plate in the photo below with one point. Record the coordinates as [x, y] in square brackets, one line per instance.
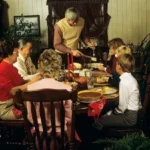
[94, 109]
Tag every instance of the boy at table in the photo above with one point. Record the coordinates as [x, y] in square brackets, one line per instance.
[114, 80]
[125, 115]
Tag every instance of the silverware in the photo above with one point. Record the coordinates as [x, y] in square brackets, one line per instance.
[90, 57]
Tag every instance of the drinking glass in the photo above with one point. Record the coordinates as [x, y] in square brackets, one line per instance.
[90, 83]
[90, 79]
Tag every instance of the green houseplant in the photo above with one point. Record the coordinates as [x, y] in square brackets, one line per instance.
[147, 50]
[134, 141]
[141, 53]
[144, 49]
[10, 34]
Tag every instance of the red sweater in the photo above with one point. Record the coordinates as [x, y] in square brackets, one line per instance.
[111, 64]
[9, 78]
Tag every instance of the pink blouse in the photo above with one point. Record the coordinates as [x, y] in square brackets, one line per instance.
[49, 83]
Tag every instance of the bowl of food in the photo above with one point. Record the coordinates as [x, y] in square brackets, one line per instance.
[109, 90]
[76, 66]
[93, 65]
[102, 79]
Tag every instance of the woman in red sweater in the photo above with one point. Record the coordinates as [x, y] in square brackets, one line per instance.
[10, 81]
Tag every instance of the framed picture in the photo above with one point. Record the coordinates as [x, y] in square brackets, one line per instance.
[27, 25]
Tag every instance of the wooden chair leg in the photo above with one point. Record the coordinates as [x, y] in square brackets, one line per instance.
[5, 134]
[12, 137]
[71, 146]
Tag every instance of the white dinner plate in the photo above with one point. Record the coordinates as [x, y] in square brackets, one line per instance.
[107, 90]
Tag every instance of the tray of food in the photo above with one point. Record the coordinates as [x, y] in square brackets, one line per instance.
[89, 96]
[102, 79]
[93, 65]
[101, 84]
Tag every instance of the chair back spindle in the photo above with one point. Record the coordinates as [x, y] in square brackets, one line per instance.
[48, 97]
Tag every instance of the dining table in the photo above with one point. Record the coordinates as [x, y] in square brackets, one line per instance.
[112, 99]
[84, 122]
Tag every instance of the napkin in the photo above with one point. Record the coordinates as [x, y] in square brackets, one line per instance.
[95, 109]
[17, 113]
[77, 137]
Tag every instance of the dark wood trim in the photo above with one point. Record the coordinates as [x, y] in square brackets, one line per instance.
[76, 1]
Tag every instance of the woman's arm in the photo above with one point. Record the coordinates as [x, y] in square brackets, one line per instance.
[24, 86]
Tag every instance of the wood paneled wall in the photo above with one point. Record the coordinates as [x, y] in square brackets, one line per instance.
[129, 18]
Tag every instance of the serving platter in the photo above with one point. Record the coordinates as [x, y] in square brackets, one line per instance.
[101, 84]
[93, 65]
[106, 90]
[102, 79]
[111, 96]
[97, 73]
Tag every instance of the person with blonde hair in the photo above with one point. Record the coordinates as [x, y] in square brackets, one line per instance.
[111, 63]
[126, 114]
[123, 50]
[49, 65]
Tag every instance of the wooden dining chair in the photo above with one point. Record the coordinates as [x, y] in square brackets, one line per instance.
[141, 125]
[49, 96]
[12, 133]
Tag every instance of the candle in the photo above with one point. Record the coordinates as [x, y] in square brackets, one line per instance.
[68, 65]
[72, 61]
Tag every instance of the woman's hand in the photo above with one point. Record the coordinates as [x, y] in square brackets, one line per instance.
[24, 86]
[36, 78]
